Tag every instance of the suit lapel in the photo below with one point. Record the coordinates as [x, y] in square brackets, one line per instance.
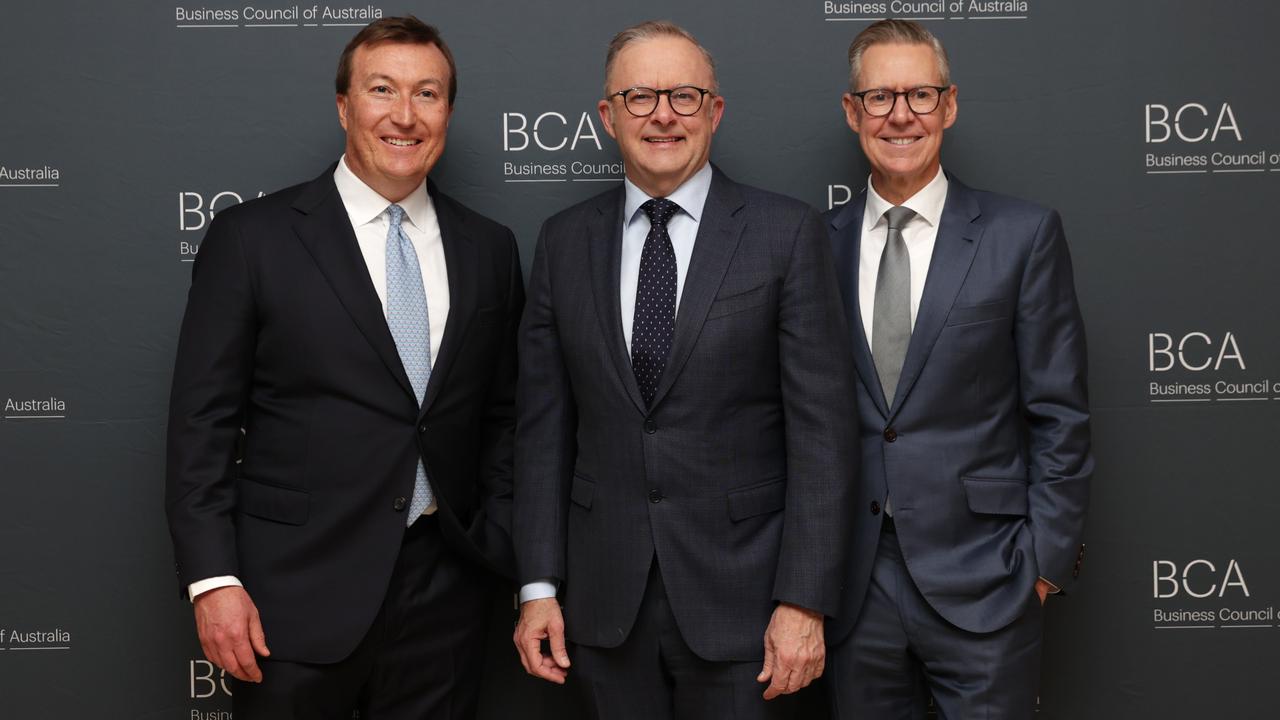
[719, 232]
[604, 250]
[959, 234]
[461, 261]
[847, 249]
[325, 231]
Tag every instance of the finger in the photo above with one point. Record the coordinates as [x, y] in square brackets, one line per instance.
[228, 662]
[766, 671]
[779, 686]
[531, 653]
[552, 672]
[558, 649]
[248, 662]
[257, 637]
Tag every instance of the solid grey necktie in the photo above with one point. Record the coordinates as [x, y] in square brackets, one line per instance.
[891, 321]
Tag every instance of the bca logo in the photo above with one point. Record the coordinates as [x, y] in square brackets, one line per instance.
[1192, 123]
[549, 131]
[207, 680]
[195, 210]
[1195, 351]
[1199, 579]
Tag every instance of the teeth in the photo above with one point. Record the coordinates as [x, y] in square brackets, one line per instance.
[400, 143]
[901, 141]
[661, 140]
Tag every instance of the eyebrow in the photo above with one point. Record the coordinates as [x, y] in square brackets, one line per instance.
[382, 77]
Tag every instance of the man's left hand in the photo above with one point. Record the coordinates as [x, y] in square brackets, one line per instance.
[795, 652]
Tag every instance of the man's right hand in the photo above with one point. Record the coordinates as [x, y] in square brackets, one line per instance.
[541, 620]
[230, 631]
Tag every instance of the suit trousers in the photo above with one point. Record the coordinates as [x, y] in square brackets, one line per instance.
[901, 652]
[654, 675]
[421, 659]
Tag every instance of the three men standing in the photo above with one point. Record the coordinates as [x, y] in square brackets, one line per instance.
[685, 452]
[972, 408]
[360, 328]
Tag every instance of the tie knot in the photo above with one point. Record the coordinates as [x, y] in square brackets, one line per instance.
[659, 211]
[396, 213]
[898, 217]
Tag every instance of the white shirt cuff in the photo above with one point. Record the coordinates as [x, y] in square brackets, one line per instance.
[213, 583]
[538, 590]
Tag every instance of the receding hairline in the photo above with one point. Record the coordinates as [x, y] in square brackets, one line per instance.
[653, 30]
[895, 31]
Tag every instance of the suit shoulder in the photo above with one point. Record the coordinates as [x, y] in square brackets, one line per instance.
[773, 202]
[1011, 207]
[479, 224]
[269, 207]
[579, 212]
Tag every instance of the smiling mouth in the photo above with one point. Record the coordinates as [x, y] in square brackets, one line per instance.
[663, 140]
[400, 142]
[901, 140]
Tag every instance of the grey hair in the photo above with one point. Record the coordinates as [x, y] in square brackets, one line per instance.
[649, 30]
[893, 30]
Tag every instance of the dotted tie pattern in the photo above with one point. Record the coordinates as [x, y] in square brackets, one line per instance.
[411, 328]
[654, 323]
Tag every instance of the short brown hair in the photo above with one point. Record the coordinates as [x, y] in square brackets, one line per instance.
[647, 31]
[408, 30]
[893, 30]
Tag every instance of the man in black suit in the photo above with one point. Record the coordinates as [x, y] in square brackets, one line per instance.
[360, 328]
[685, 451]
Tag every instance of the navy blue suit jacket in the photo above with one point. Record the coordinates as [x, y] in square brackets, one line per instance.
[985, 450]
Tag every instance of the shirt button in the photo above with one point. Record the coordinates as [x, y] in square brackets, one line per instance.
[875, 508]
[650, 426]
[890, 435]
[399, 504]
[655, 496]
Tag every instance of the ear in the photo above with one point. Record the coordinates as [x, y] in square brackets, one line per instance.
[851, 114]
[717, 112]
[605, 108]
[949, 115]
[342, 111]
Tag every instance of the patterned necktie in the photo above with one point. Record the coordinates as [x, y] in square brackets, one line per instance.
[655, 300]
[891, 321]
[411, 328]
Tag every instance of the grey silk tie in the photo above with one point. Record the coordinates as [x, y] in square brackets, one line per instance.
[891, 321]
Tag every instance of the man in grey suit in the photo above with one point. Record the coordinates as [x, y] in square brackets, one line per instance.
[972, 402]
[685, 453]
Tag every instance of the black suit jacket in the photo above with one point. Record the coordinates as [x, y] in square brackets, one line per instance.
[738, 478]
[284, 336]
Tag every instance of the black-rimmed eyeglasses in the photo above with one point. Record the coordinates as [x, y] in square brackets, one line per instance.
[922, 100]
[642, 101]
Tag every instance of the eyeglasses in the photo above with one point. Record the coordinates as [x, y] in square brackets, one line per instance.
[922, 100]
[642, 101]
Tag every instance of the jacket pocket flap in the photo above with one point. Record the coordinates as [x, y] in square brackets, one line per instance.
[271, 502]
[582, 491]
[757, 500]
[969, 314]
[754, 297]
[996, 496]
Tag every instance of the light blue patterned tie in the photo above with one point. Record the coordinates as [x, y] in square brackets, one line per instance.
[411, 328]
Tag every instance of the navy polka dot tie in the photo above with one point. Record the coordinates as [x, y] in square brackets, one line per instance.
[655, 300]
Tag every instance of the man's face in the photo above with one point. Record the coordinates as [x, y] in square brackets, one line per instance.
[664, 149]
[396, 111]
[904, 148]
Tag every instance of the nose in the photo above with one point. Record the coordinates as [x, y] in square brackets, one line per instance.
[402, 111]
[664, 114]
[901, 111]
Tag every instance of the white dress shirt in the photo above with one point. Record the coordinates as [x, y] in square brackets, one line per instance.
[370, 220]
[920, 233]
[691, 196]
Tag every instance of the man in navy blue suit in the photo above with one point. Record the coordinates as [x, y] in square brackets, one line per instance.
[973, 410]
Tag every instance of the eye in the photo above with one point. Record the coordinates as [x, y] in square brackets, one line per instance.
[642, 95]
[683, 95]
[877, 96]
[380, 90]
[922, 93]
[428, 94]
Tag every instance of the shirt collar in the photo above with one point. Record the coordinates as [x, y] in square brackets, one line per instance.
[927, 203]
[690, 196]
[364, 204]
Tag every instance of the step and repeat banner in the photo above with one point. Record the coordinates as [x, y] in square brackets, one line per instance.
[1152, 126]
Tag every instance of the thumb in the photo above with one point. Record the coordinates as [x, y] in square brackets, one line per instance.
[257, 637]
[767, 671]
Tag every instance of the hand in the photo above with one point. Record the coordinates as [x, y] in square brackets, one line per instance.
[230, 632]
[541, 620]
[1043, 588]
[795, 653]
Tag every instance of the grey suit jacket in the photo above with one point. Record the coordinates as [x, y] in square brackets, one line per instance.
[738, 478]
[985, 450]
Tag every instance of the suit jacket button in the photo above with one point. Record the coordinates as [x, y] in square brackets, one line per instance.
[890, 435]
[650, 426]
[875, 508]
[422, 428]
[399, 504]
[655, 496]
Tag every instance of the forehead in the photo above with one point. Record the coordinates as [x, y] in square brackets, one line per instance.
[894, 64]
[392, 58]
[660, 61]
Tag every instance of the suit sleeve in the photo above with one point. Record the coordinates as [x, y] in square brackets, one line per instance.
[546, 424]
[817, 378]
[1053, 378]
[211, 380]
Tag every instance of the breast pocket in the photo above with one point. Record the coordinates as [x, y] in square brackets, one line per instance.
[985, 312]
[737, 302]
